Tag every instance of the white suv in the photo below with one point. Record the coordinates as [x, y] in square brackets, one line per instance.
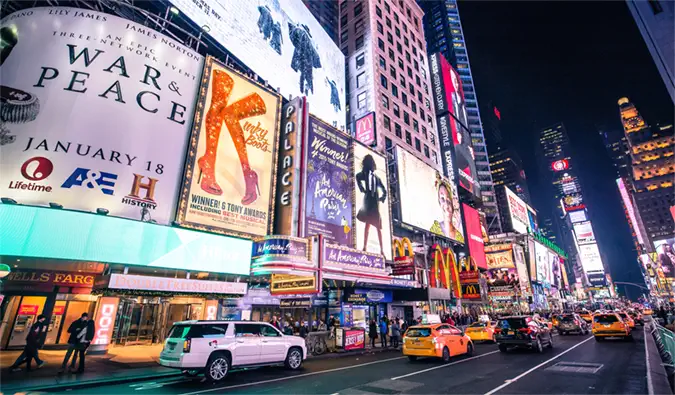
[215, 347]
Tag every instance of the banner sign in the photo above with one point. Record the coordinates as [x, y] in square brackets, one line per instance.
[369, 296]
[372, 227]
[354, 339]
[520, 220]
[299, 302]
[289, 172]
[501, 259]
[365, 129]
[229, 182]
[43, 277]
[281, 284]
[280, 247]
[328, 197]
[474, 235]
[584, 233]
[521, 268]
[336, 256]
[403, 265]
[471, 291]
[96, 112]
[178, 285]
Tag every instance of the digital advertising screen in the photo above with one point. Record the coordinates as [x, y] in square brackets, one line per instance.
[518, 211]
[630, 208]
[281, 42]
[578, 216]
[584, 233]
[428, 200]
[665, 252]
[590, 258]
[543, 263]
[474, 235]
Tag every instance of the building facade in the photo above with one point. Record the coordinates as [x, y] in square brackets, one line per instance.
[507, 171]
[444, 34]
[326, 13]
[655, 19]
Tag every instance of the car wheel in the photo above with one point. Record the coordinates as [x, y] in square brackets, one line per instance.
[469, 349]
[598, 339]
[294, 359]
[503, 348]
[538, 347]
[412, 358]
[550, 340]
[218, 367]
[446, 354]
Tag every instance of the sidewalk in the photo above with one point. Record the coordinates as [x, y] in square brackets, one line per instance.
[128, 363]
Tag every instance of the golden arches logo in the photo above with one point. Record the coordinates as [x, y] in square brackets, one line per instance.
[466, 265]
[471, 290]
[399, 246]
[442, 267]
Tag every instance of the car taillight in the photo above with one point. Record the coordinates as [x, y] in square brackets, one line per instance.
[498, 330]
[576, 322]
[526, 331]
[186, 345]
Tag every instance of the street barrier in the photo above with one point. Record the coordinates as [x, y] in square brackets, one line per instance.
[665, 342]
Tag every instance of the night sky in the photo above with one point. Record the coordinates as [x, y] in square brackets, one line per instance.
[547, 62]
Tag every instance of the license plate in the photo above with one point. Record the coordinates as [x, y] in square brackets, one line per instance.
[606, 326]
[510, 333]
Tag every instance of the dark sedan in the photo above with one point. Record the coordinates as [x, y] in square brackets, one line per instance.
[522, 332]
[572, 323]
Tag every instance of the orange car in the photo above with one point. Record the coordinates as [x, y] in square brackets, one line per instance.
[586, 315]
[627, 319]
[435, 340]
[482, 331]
[610, 325]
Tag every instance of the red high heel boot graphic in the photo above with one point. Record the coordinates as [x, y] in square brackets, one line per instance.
[219, 112]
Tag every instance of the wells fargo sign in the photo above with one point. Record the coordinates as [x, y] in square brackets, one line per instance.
[53, 278]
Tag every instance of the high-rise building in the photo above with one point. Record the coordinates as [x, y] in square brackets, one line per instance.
[652, 151]
[444, 34]
[571, 217]
[388, 75]
[326, 13]
[507, 171]
[655, 19]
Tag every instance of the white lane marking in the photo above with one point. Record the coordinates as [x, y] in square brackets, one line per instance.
[650, 385]
[443, 366]
[290, 377]
[520, 376]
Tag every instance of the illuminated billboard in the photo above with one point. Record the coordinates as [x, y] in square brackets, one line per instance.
[590, 258]
[281, 42]
[229, 185]
[584, 233]
[450, 105]
[573, 202]
[86, 124]
[518, 212]
[474, 235]
[542, 262]
[560, 165]
[577, 216]
[665, 252]
[630, 208]
[428, 200]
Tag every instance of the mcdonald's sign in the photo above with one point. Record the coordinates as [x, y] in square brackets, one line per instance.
[365, 129]
[468, 271]
[444, 271]
[404, 261]
[471, 291]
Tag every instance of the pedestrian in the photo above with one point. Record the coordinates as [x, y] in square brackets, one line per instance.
[81, 333]
[395, 333]
[275, 322]
[372, 333]
[34, 341]
[384, 327]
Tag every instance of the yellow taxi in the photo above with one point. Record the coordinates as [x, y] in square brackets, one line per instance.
[627, 319]
[482, 331]
[436, 341]
[586, 315]
[610, 325]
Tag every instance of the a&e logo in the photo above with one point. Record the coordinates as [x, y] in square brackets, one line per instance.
[105, 182]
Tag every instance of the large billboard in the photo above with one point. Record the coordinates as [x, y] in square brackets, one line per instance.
[521, 268]
[329, 185]
[543, 263]
[502, 276]
[281, 42]
[590, 258]
[89, 123]
[665, 252]
[474, 235]
[584, 233]
[229, 182]
[518, 212]
[449, 99]
[630, 209]
[428, 200]
[577, 216]
[372, 225]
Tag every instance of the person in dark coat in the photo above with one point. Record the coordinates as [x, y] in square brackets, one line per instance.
[384, 328]
[34, 341]
[372, 333]
[305, 56]
[81, 333]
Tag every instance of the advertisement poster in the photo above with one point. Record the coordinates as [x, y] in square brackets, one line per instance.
[229, 182]
[590, 258]
[521, 268]
[338, 257]
[428, 200]
[329, 185]
[289, 172]
[541, 254]
[518, 211]
[283, 43]
[372, 226]
[577, 216]
[364, 129]
[665, 252]
[499, 255]
[474, 235]
[354, 339]
[584, 233]
[88, 123]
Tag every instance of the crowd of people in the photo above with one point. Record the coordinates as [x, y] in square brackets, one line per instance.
[387, 329]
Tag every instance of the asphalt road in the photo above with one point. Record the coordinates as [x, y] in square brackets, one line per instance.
[575, 365]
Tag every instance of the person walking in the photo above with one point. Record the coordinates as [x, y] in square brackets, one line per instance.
[372, 333]
[80, 334]
[384, 328]
[275, 322]
[34, 341]
[395, 333]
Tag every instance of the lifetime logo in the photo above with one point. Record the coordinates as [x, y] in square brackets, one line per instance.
[34, 169]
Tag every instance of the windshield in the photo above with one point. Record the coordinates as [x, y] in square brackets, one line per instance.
[418, 332]
[515, 323]
[605, 318]
[568, 318]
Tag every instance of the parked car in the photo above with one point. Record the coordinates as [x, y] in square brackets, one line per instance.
[524, 332]
[610, 325]
[436, 340]
[570, 323]
[216, 347]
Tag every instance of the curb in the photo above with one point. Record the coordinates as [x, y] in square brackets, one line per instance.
[657, 377]
[91, 383]
[341, 354]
